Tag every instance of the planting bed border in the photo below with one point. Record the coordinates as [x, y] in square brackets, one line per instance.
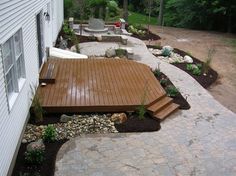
[204, 81]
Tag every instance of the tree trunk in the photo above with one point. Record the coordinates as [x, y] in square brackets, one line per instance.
[229, 21]
[160, 17]
[125, 8]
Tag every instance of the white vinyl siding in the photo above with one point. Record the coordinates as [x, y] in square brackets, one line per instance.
[15, 15]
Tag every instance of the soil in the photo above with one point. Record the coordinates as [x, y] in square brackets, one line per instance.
[197, 43]
[48, 166]
[178, 99]
[47, 119]
[134, 124]
[205, 81]
[147, 36]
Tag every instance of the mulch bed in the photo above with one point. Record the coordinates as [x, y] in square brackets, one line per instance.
[48, 166]
[178, 99]
[204, 81]
[147, 36]
[134, 124]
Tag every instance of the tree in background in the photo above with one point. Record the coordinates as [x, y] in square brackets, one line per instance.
[125, 8]
[150, 6]
[160, 16]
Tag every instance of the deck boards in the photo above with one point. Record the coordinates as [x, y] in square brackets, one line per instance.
[93, 85]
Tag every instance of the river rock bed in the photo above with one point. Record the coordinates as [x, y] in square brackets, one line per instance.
[173, 58]
[81, 124]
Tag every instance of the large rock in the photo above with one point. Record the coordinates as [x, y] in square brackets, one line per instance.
[110, 52]
[188, 59]
[37, 145]
[119, 118]
[99, 37]
[65, 118]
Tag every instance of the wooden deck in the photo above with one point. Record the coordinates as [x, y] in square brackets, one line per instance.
[99, 85]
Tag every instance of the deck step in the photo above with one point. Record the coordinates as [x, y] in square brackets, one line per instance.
[161, 115]
[48, 73]
[158, 106]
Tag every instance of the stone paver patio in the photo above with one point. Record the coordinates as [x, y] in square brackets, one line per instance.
[199, 141]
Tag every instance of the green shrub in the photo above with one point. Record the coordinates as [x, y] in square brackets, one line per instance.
[199, 65]
[163, 82]
[34, 157]
[121, 52]
[172, 91]
[157, 72]
[196, 71]
[137, 31]
[165, 52]
[49, 134]
[66, 29]
[142, 109]
[189, 67]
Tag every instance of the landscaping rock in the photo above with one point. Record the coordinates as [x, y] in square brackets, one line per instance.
[79, 124]
[119, 118]
[124, 40]
[65, 118]
[111, 52]
[99, 38]
[188, 59]
[36, 145]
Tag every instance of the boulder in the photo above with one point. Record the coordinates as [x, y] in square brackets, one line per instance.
[124, 40]
[119, 118]
[37, 145]
[188, 59]
[110, 52]
[99, 38]
[65, 118]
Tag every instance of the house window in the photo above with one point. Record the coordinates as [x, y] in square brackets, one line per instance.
[14, 66]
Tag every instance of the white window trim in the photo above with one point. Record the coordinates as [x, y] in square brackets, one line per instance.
[11, 99]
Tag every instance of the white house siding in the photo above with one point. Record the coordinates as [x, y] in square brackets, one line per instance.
[15, 15]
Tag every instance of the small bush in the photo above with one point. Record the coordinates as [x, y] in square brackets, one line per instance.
[67, 30]
[172, 91]
[166, 52]
[137, 31]
[157, 72]
[141, 111]
[196, 71]
[189, 67]
[121, 52]
[163, 81]
[49, 134]
[35, 157]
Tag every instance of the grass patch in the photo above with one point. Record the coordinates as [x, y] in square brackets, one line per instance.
[137, 18]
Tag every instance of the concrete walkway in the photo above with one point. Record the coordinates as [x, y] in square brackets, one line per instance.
[199, 141]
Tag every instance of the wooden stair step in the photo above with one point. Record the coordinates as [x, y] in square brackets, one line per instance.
[159, 105]
[48, 73]
[171, 108]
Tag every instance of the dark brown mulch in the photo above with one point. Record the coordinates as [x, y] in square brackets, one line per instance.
[178, 99]
[204, 81]
[147, 36]
[134, 124]
[48, 166]
[47, 119]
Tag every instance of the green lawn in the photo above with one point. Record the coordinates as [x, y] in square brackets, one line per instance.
[137, 18]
